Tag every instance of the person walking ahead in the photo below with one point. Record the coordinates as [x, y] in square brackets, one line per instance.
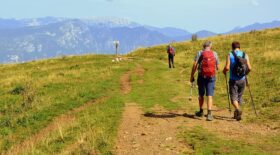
[237, 81]
[206, 62]
[171, 54]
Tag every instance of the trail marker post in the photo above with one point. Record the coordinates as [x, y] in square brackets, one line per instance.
[116, 44]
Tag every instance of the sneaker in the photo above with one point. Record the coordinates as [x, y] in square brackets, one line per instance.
[209, 117]
[238, 115]
[199, 113]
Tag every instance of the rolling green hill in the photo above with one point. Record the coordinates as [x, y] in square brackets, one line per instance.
[74, 105]
[264, 53]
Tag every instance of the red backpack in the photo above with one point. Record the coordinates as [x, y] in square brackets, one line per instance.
[208, 64]
[170, 50]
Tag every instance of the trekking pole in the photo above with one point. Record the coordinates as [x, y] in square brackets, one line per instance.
[229, 107]
[252, 101]
[190, 97]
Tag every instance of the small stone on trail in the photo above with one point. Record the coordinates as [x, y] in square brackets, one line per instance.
[169, 138]
[143, 134]
[136, 146]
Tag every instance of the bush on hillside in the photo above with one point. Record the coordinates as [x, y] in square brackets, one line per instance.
[194, 37]
[27, 92]
[253, 31]
[28, 95]
[17, 90]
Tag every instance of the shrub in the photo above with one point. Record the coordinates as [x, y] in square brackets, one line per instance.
[27, 92]
[194, 37]
[17, 90]
[28, 95]
[253, 31]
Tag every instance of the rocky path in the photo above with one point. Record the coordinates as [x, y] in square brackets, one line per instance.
[157, 133]
[141, 134]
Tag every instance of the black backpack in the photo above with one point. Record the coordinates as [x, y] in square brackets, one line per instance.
[240, 69]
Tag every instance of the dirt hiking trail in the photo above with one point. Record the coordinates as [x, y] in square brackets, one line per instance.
[157, 133]
[139, 134]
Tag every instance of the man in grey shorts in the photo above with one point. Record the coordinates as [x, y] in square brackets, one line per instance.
[236, 84]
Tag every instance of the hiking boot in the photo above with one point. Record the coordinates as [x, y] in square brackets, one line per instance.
[209, 117]
[235, 114]
[199, 113]
[238, 115]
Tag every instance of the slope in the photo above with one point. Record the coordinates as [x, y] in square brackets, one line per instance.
[77, 105]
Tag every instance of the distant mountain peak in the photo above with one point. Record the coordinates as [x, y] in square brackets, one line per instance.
[110, 21]
[255, 26]
[28, 39]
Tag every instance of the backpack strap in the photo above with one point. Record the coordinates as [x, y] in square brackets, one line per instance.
[200, 57]
[243, 56]
[234, 54]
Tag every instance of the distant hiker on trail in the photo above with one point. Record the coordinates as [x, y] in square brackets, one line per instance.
[206, 62]
[237, 62]
[171, 54]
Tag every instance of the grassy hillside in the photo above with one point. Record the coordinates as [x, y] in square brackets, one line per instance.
[74, 104]
[264, 53]
[34, 94]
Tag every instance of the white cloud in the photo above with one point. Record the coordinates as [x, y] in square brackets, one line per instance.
[255, 2]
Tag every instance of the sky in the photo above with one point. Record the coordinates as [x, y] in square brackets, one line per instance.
[191, 15]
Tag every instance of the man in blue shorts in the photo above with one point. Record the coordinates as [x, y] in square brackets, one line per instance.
[206, 62]
[236, 83]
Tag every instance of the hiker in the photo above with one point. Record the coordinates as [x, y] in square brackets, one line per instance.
[237, 81]
[206, 62]
[171, 54]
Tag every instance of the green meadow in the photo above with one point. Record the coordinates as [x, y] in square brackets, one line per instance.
[74, 105]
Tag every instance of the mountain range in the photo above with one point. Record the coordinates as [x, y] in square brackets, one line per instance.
[30, 39]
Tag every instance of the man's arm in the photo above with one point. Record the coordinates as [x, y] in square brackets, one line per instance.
[194, 68]
[248, 63]
[217, 61]
[227, 66]
[195, 65]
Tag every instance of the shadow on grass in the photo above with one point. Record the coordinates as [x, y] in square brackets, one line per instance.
[186, 115]
[170, 115]
[224, 118]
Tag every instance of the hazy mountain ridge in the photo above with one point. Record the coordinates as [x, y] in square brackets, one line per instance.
[256, 26]
[29, 39]
[69, 37]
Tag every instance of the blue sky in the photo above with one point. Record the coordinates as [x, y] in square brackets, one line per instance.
[192, 15]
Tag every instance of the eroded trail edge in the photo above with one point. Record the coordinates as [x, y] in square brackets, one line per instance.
[139, 134]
